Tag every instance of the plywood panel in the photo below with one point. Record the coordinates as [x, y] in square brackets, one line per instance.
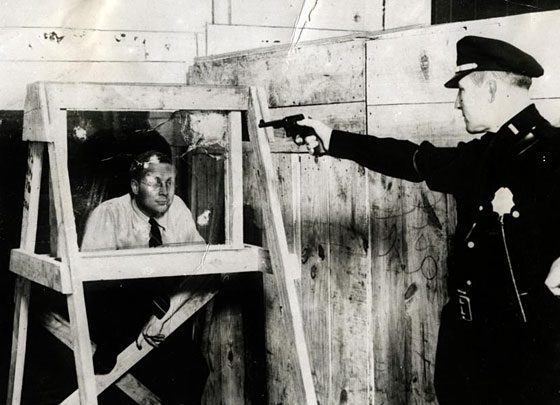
[337, 73]
[429, 57]
[329, 14]
[401, 14]
[315, 281]
[391, 324]
[281, 384]
[350, 280]
[265, 12]
[232, 38]
[64, 44]
[425, 217]
[128, 15]
[22, 73]
[438, 123]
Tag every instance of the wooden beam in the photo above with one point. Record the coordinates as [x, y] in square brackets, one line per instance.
[59, 327]
[20, 72]
[129, 97]
[281, 259]
[234, 183]
[23, 285]
[19, 340]
[41, 269]
[132, 355]
[172, 261]
[67, 245]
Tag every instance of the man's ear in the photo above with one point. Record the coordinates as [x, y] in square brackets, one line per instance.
[492, 89]
[134, 186]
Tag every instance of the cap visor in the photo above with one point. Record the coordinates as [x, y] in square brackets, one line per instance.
[453, 83]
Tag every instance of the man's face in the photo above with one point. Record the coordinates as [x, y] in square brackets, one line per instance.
[474, 100]
[155, 191]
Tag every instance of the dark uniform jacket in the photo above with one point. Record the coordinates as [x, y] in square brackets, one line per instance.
[501, 326]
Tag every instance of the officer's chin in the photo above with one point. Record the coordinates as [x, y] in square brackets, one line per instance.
[474, 131]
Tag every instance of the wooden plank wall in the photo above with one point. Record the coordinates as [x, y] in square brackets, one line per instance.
[406, 99]
[373, 248]
[325, 208]
[105, 41]
[31, 54]
[249, 24]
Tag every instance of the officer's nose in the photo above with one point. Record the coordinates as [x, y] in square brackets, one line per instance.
[458, 102]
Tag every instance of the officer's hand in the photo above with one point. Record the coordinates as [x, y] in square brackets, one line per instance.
[322, 139]
[553, 279]
[154, 332]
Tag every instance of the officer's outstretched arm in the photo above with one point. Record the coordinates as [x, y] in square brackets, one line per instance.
[553, 279]
[323, 137]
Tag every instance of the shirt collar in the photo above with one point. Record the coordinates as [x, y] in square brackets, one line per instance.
[143, 217]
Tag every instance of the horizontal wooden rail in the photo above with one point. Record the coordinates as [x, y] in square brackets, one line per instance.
[171, 261]
[42, 269]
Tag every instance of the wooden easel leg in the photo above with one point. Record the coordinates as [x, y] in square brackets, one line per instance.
[19, 340]
[282, 261]
[82, 346]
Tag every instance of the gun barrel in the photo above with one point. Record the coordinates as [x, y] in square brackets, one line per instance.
[283, 122]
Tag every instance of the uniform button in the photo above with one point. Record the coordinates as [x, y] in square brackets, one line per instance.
[470, 244]
[469, 282]
[515, 214]
[480, 208]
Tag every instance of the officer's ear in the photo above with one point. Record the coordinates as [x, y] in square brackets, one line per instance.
[135, 186]
[492, 89]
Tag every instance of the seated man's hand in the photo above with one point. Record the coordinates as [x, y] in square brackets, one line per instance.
[322, 139]
[154, 332]
[553, 279]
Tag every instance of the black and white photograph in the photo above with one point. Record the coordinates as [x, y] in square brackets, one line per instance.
[280, 202]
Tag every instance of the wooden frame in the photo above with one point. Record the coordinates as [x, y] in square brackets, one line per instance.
[45, 123]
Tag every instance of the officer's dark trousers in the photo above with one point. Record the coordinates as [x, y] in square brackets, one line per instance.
[490, 363]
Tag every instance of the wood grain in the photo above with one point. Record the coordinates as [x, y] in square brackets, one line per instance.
[350, 285]
[22, 73]
[47, 44]
[286, 76]
[391, 328]
[233, 38]
[315, 281]
[430, 55]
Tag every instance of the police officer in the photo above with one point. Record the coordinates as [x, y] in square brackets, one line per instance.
[499, 339]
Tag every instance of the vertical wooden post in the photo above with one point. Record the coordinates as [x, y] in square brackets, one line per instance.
[68, 248]
[23, 286]
[234, 183]
[280, 258]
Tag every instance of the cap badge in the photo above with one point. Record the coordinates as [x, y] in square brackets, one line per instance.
[466, 66]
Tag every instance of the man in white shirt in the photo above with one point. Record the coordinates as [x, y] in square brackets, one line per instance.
[149, 216]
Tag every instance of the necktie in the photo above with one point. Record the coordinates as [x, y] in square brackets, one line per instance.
[155, 234]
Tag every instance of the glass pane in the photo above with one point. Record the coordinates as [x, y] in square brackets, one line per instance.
[102, 146]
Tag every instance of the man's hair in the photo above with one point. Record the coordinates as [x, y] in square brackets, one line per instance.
[141, 163]
[513, 79]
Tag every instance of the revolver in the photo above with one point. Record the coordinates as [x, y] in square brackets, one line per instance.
[293, 129]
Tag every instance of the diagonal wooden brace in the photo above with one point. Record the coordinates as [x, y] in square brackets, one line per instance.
[60, 328]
